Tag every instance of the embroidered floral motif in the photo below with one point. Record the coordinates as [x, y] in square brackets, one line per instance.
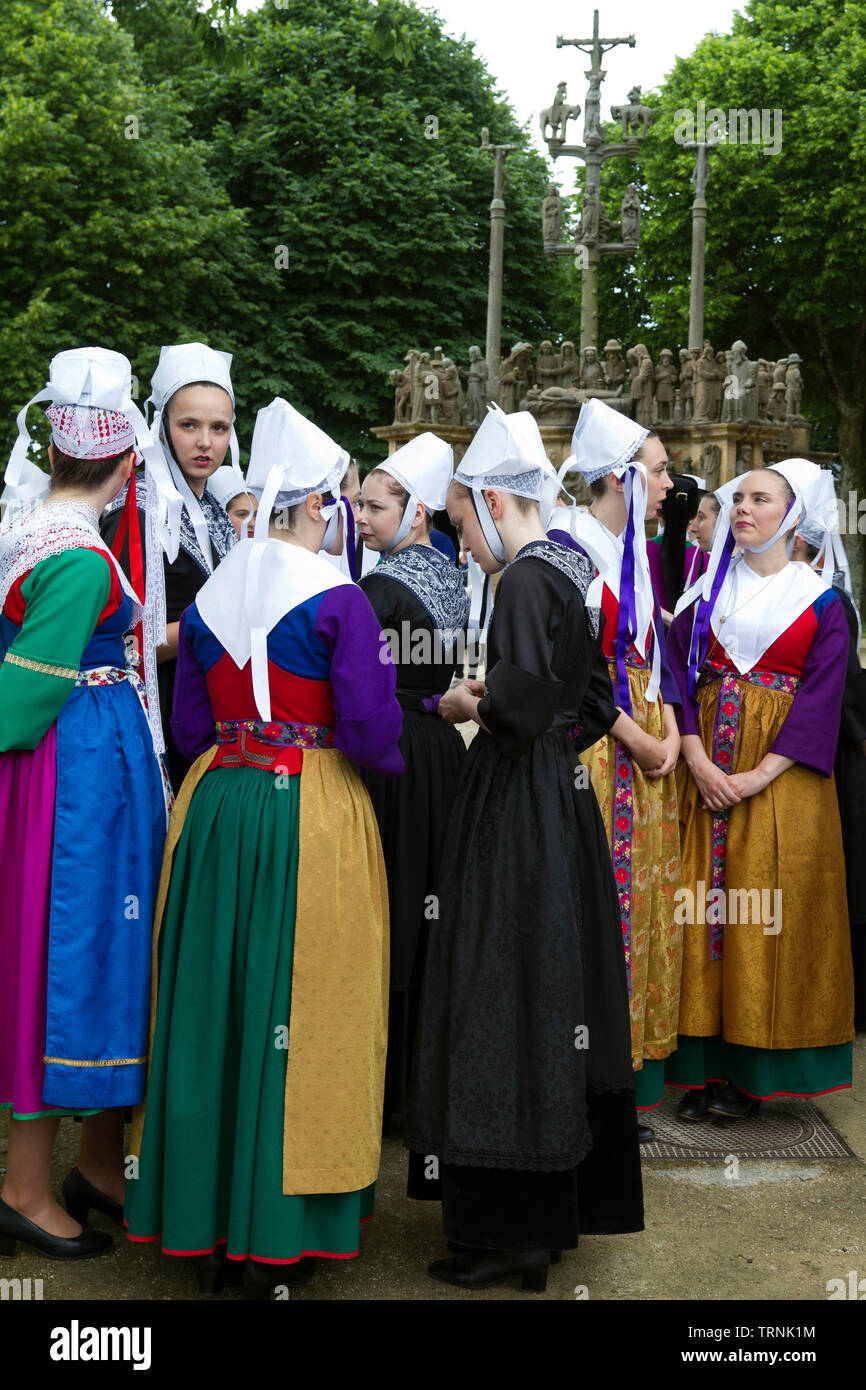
[435, 582]
[622, 834]
[278, 735]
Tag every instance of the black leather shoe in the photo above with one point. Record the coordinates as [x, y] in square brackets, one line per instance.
[15, 1227]
[479, 1269]
[215, 1270]
[80, 1195]
[261, 1279]
[732, 1104]
[693, 1105]
[555, 1255]
[645, 1134]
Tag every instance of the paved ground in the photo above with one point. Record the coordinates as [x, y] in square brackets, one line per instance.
[781, 1231]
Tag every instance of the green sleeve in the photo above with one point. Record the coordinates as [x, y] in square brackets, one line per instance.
[64, 596]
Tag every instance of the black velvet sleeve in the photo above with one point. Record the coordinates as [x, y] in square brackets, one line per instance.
[523, 690]
[598, 713]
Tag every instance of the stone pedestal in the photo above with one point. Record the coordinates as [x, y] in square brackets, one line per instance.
[458, 436]
[714, 448]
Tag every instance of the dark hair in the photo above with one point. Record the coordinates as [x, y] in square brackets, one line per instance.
[679, 507]
[88, 474]
[214, 384]
[704, 495]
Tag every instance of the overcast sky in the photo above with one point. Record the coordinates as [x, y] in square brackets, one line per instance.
[517, 40]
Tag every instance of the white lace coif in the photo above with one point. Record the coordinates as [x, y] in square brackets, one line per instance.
[89, 432]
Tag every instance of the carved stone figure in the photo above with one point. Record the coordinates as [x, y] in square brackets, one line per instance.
[705, 385]
[779, 371]
[743, 462]
[777, 406]
[723, 369]
[592, 374]
[476, 387]
[402, 396]
[740, 403]
[420, 399]
[687, 384]
[451, 396]
[592, 131]
[557, 115]
[569, 371]
[632, 115]
[711, 462]
[642, 381]
[765, 380]
[548, 368]
[665, 382]
[590, 218]
[793, 387]
[515, 376]
[551, 214]
[614, 366]
[630, 216]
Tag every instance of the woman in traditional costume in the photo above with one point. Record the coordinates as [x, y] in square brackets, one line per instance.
[703, 525]
[419, 599]
[632, 765]
[262, 1128]
[522, 1094]
[760, 649]
[229, 487]
[82, 814]
[193, 404]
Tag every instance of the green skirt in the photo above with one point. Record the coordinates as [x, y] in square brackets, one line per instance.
[210, 1167]
[649, 1083]
[760, 1071]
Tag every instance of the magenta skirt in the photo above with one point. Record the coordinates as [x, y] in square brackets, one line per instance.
[27, 791]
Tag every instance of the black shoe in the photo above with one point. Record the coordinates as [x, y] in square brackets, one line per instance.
[260, 1279]
[15, 1227]
[555, 1255]
[80, 1195]
[479, 1269]
[215, 1270]
[732, 1104]
[693, 1105]
[645, 1133]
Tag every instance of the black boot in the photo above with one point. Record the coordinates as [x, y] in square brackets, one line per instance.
[733, 1104]
[645, 1133]
[479, 1269]
[80, 1195]
[555, 1255]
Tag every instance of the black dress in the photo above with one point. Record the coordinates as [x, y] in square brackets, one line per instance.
[523, 1090]
[415, 592]
[183, 579]
[850, 770]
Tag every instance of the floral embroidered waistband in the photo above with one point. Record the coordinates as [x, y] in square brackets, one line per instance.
[768, 680]
[276, 735]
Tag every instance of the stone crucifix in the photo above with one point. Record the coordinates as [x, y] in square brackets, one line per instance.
[594, 235]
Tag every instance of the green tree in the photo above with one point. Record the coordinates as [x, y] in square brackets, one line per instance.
[112, 230]
[366, 197]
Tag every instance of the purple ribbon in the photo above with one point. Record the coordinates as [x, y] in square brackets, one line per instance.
[627, 612]
[703, 613]
[350, 539]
